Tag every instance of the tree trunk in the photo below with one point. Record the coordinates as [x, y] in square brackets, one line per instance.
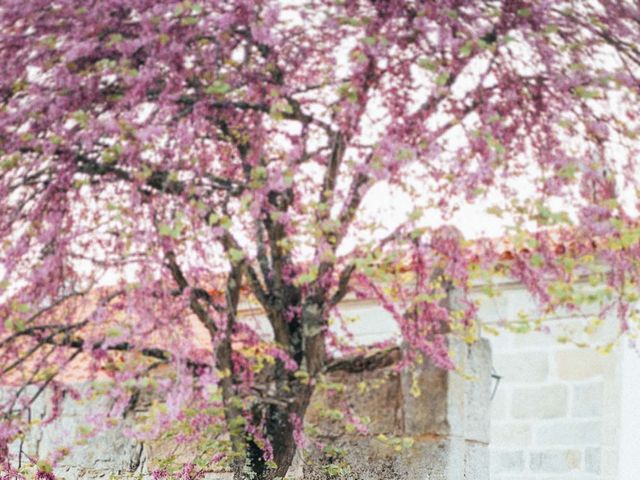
[281, 435]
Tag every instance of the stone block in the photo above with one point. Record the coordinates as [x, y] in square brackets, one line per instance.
[500, 402]
[548, 401]
[110, 451]
[569, 433]
[511, 435]
[374, 394]
[587, 400]
[476, 461]
[574, 475]
[451, 403]
[609, 462]
[554, 461]
[477, 391]
[592, 460]
[526, 367]
[582, 364]
[429, 411]
[88, 404]
[506, 461]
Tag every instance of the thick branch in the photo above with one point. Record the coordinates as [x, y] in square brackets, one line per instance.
[343, 285]
[366, 362]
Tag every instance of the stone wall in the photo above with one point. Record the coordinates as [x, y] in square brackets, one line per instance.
[447, 424]
[558, 411]
[554, 412]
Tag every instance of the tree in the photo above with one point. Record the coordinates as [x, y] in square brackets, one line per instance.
[163, 160]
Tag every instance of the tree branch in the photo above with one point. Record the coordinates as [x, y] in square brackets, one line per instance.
[366, 362]
[343, 285]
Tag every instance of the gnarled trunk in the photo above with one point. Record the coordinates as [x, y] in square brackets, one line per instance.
[280, 429]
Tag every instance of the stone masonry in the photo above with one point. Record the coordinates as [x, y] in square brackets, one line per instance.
[447, 422]
[550, 417]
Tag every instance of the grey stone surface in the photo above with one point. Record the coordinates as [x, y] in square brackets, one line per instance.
[432, 415]
[582, 364]
[507, 461]
[449, 458]
[587, 400]
[525, 367]
[555, 461]
[511, 435]
[500, 403]
[476, 461]
[477, 391]
[549, 401]
[592, 460]
[569, 433]
[448, 422]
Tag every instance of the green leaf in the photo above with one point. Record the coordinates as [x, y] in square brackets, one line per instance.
[407, 442]
[50, 41]
[218, 87]
[258, 177]
[495, 210]
[568, 171]
[630, 237]
[81, 117]
[164, 230]
[114, 332]
[279, 108]
[44, 467]
[537, 260]
[584, 92]
[466, 49]
[524, 12]
[452, 14]
[189, 21]
[495, 144]
[237, 422]
[442, 79]
[348, 91]
[10, 162]
[226, 222]
[19, 307]
[236, 255]
[370, 40]
[213, 219]
[427, 64]
[115, 38]
[169, 231]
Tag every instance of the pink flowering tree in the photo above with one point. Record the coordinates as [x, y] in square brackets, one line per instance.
[164, 162]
